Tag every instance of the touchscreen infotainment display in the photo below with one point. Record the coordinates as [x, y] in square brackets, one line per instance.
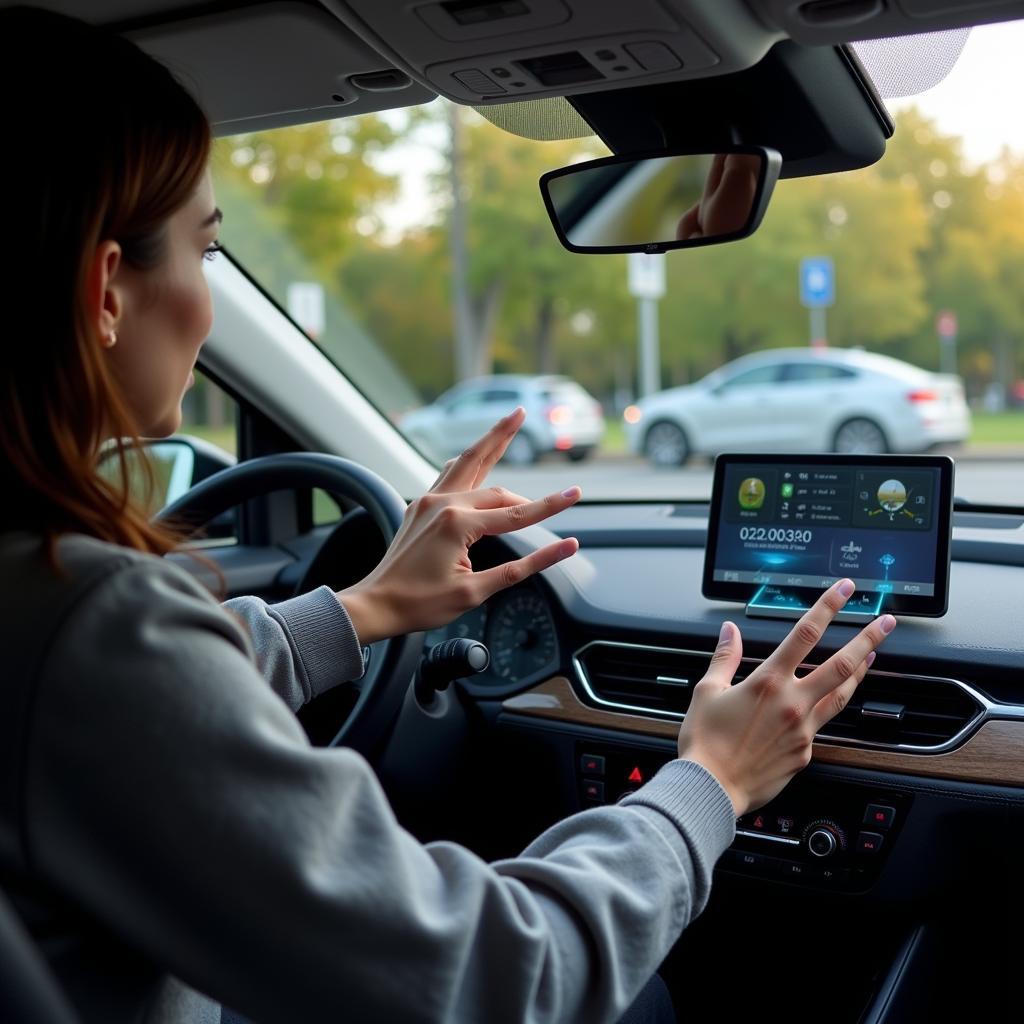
[784, 528]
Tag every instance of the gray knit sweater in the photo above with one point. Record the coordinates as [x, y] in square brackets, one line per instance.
[167, 830]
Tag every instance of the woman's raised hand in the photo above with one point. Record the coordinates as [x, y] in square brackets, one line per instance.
[426, 578]
[756, 735]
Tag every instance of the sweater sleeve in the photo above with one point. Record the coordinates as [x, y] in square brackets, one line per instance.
[191, 816]
[303, 646]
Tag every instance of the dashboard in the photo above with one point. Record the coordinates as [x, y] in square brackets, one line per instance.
[890, 862]
[598, 657]
[518, 629]
[895, 854]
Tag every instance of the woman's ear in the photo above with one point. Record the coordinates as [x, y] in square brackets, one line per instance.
[103, 293]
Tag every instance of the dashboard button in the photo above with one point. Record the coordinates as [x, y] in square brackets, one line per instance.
[792, 870]
[747, 861]
[831, 876]
[593, 791]
[869, 842]
[592, 764]
[879, 816]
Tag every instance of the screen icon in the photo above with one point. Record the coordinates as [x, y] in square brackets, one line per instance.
[752, 493]
[851, 553]
[892, 495]
[787, 490]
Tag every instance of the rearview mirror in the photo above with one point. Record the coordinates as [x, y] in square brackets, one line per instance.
[656, 202]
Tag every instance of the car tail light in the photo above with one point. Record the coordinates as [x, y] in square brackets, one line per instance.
[558, 414]
[922, 395]
[563, 444]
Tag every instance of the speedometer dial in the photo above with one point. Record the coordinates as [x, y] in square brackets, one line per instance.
[469, 624]
[521, 635]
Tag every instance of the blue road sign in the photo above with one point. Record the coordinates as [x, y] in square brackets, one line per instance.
[817, 282]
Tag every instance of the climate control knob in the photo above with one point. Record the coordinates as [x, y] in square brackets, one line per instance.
[824, 838]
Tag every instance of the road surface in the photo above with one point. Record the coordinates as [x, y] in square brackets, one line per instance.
[982, 481]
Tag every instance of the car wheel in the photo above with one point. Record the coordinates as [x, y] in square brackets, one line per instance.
[520, 451]
[579, 454]
[860, 437]
[665, 445]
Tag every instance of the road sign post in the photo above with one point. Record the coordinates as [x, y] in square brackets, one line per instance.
[307, 306]
[817, 293]
[647, 285]
[946, 328]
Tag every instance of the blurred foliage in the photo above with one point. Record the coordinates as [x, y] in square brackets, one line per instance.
[917, 233]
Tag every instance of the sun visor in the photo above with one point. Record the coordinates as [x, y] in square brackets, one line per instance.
[246, 81]
[544, 120]
[908, 65]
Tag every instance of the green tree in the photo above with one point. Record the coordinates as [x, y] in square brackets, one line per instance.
[726, 300]
[522, 284]
[319, 182]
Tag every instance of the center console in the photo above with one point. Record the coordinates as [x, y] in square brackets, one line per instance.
[829, 835]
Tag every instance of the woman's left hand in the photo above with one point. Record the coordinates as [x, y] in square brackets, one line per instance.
[426, 578]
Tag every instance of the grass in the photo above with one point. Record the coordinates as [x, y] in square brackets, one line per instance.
[614, 442]
[997, 428]
[988, 428]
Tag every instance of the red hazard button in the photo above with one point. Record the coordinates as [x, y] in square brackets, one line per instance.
[869, 842]
[635, 775]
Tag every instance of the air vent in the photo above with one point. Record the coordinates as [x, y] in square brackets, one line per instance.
[905, 711]
[917, 714]
[655, 681]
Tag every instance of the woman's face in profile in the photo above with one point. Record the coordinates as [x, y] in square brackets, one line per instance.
[166, 314]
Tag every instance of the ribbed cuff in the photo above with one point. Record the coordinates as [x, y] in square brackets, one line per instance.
[695, 802]
[324, 638]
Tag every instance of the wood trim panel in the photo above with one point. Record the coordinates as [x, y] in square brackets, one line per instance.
[994, 754]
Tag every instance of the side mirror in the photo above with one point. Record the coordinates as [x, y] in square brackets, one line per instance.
[174, 467]
[183, 461]
[656, 202]
[179, 463]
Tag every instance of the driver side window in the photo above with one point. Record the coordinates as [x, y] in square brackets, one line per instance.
[210, 413]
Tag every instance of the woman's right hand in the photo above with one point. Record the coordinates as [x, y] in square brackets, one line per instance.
[755, 736]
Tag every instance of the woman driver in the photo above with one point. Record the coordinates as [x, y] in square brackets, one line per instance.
[166, 830]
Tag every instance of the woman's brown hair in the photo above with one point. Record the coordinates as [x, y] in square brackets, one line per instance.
[104, 144]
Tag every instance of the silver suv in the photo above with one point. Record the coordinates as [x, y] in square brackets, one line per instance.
[560, 417]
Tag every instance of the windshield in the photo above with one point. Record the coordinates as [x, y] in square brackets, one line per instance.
[876, 310]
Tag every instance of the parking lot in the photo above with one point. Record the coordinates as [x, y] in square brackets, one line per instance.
[980, 478]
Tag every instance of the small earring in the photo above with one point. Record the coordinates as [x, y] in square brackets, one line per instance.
[110, 340]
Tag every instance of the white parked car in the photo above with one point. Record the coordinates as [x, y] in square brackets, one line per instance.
[560, 417]
[802, 400]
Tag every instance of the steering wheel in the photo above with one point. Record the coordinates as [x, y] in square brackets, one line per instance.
[391, 663]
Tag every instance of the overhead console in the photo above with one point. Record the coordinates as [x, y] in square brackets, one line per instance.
[629, 69]
[494, 51]
[354, 56]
